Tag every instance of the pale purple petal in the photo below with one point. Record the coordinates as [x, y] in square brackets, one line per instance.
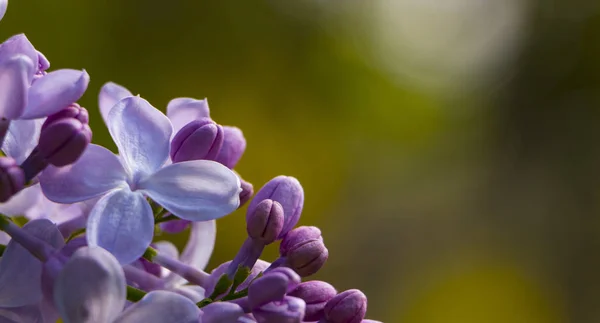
[193, 292]
[22, 202]
[4, 238]
[14, 82]
[161, 307]
[3, 5]
[21, 138]
[142, 134]
[54, 92]
[19, 45]
[198, 249]
[110, 94]
[221, 312]
[183, 110]
[197, 190]
[20, 272]
[122, 223]
[96, 172]
[90, 288]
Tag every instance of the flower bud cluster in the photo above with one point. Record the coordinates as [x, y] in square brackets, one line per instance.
[87, 251]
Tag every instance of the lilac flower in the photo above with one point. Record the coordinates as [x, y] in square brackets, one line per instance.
[25, 96]
[122, 221]
[179, 110]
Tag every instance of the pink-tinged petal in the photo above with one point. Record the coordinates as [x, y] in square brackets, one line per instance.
[142, 134]
[19, 45]
[96, 172]
[15, 78]
[198, 249]
[161, 307]
[197, 190]
[3, 5]
[122, 223]
[182, 111]
[110, 94]
[21, 138]
[22, 202]
[91, 287]
[21, 272]
[55, 91]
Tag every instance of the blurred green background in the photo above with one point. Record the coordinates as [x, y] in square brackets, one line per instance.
[448, 150]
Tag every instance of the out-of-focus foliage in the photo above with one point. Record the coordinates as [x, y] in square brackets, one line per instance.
[448, 150]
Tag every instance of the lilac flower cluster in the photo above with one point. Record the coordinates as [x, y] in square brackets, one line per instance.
[86, 250]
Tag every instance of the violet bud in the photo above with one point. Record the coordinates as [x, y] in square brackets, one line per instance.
[289, 310]
[304, 250]
[315, 294]
[199, 139]
[62, 141]
[266, 222]
[234, 145]
[246, 193]
[174, 226]
[12, 178]
[72, 111]
[271, 287]
[347, 307]
[289, 193]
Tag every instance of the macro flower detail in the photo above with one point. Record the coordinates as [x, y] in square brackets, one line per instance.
[122, 221]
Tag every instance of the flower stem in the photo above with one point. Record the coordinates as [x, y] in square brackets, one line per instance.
[134, 294]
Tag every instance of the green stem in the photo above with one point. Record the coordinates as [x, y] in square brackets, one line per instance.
[134, 294]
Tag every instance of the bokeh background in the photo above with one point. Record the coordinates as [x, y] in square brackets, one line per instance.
[448, 149]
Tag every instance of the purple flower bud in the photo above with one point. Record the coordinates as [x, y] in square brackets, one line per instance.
[315, 294]
[289, 193]
[199, 139]
[12, 178]
[174, 226]
[347, 307]
[72, 111]
[304, 250]
[62, 141]
[246, 193]
[272, 286]
[266, 222]
[234, 145]
[289, 310]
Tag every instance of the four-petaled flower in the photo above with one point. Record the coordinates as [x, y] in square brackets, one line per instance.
[122, 221]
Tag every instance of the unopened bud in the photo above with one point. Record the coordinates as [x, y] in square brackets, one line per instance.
[304, 251]
[266, 221]
[73, 111]
[347, 307]
[272, 286]
[199, 139]
[289, 193]
[315, 294]
[12, 178]
[234, 145]
[62, 141]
